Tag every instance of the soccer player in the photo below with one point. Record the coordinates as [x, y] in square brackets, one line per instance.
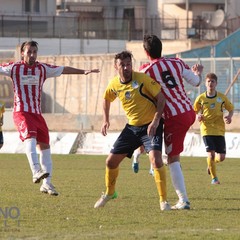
[210, 107]
[178, 112]
[28, 77]
[135, 162]
[2, 110]
[143, 104]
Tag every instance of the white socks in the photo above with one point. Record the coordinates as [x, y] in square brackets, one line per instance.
[178, 181]
[136, 155]
[31, 153]
[46, 164]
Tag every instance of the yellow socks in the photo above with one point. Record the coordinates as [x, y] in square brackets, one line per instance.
[110, 180]
[212, 167]
[161, 182]
[217, 160]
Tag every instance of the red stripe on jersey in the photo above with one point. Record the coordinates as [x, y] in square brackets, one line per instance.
[181, 90]
[34, 103]
[28, 83]
[168, 72]
[26, 92]
[16, 86]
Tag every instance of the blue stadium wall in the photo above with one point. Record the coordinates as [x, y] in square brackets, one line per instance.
[228, 47]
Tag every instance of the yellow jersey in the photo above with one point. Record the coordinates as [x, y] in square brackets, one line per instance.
[212, 109]
[136, 96]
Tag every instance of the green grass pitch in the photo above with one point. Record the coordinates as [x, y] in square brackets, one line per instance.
[25, 213]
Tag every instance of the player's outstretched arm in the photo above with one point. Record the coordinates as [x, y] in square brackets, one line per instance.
[71, 70]
[193, 76]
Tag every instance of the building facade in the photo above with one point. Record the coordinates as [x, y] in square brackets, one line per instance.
[125, 19]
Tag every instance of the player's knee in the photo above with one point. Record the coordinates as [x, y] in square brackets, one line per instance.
[113, 160]
[222, 158]
[172, 159]
[156, 162]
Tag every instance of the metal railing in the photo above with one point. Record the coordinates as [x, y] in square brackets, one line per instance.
[111, 28]
[78, 94]
[225, 69]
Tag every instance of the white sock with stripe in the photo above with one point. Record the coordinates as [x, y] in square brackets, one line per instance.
[32, 155]
[178, 181]
[46, 164]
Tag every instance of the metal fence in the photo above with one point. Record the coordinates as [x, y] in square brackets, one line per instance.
[225, 69]
[111, 28]
[83, 94]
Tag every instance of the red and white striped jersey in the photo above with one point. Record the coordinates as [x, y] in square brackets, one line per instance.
[170, 72]
[28, 83]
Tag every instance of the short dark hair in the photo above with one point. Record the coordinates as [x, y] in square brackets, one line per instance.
[31, 43]
[212, 76]
[153, 46]
[122, 55]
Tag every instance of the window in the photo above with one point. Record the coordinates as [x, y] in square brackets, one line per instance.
[36, 6]
[31, 6]
[27, 6]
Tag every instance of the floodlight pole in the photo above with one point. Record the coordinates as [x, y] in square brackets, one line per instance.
[226, 12]
[187, 12]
